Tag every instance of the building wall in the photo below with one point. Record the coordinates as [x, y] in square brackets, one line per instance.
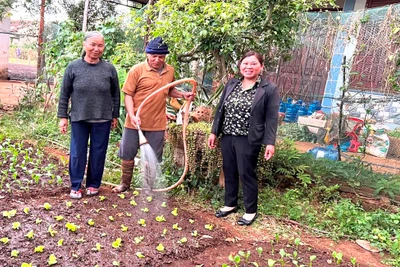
[359, 4]
[4, 47]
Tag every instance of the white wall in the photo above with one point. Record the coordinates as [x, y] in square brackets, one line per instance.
[4, 47]
[360, 4]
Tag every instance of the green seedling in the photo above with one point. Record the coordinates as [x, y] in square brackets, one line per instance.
[51, 231]
[283, 255]
[235, 259]
[259, 251]
[338, 257]
[122, 196]
[183, 240]
[312, 258]
[133, 202]
[117, 243]
[111, 218]
[90, 222]
[68, 204]
[39, 249]
[26, 210]
[160, 247]
[78, 216]
[124, 228]
[164, 232]
[85, 202]
[24, 264]
[116, 263]
[176, 227]
[16, 225]
[98, 247]
[9, 213]
[164, 204]
[102, 198]
[297, 242]
[271, 262]
[246, 255]
[80, 240]
[175, 212]
[14, 253]
[138, 239]
[59, 218]
[128, 214]
[209, 227]
[142, 222]
[114, 206]
[38, 221]
[71, 227]
[47, 206]
[191, 221]
[139, 255]
[4, 240]
[60, 242]
[30, 234]
[145, 210]
[52, 259]
[161, 218]
[353, 261]
[135, 193]
[194, 233]
[149, 198]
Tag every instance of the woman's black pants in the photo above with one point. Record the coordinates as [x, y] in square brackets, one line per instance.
[240, 161]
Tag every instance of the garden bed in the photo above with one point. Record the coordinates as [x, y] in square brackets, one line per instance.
[41, 226]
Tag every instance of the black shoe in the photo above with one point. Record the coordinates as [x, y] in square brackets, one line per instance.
[242, 221]
[220, 213]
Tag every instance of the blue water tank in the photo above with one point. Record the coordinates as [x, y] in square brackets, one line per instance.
[291, 111]
[282, 106]
[303, 110]
[314, 106]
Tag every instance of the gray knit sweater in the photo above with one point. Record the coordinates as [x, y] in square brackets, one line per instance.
[93, 90]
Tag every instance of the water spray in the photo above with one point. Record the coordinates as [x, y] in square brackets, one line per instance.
[185, 120]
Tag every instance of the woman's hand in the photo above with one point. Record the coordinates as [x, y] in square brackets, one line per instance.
[114, 123]
[211, 141]
[63, 125]
[269, 152]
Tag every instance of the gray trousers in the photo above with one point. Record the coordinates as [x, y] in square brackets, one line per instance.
[130, 143]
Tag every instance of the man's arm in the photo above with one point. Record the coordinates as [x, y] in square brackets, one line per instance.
[178, 94]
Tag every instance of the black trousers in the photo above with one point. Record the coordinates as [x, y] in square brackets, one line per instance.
[240, 161]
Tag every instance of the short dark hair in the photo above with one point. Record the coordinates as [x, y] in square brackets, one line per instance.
[250, 53]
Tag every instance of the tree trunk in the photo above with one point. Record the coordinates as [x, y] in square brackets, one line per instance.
[85, 15]
[39, 65]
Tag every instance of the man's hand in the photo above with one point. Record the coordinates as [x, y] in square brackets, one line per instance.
[135, 121]
[63, 125]
[188, 96]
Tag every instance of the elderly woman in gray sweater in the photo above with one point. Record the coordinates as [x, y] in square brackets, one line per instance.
[91, 85]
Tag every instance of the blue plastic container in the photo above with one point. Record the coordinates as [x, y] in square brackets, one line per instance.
[303, 110]
[291, 111]
[314, 106]
[324, 152]
[282, 106]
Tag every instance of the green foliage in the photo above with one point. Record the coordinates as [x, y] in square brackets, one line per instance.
[220, 32]
[98, 12]
[4, 8]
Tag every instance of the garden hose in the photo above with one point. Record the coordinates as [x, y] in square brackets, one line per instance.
[185, 121]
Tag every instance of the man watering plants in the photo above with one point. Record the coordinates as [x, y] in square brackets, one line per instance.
[142, 80]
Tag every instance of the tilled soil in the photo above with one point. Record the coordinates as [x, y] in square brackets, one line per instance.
[42, 226]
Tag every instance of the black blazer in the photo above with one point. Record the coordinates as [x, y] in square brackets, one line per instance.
[264, 112]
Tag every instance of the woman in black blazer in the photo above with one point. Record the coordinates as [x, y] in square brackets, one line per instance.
[247, 117]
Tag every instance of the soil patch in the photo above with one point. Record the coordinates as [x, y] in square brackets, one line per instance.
[134, 228]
